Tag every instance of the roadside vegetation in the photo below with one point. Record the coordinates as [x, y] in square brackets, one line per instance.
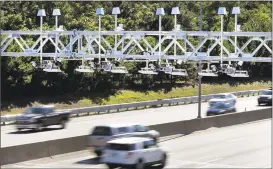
[127, 96]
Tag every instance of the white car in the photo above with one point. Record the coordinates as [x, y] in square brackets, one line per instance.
[223, 98]
[103, 133]
[222, 103]
[133, 152]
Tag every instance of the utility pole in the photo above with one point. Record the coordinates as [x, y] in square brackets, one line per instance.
[200, 66]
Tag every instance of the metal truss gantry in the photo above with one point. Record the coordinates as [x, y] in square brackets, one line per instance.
[133, 45]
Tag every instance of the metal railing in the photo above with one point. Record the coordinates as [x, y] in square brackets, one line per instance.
[95, 110]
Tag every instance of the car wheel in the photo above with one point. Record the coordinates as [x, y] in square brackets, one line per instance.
[110, 166]
[163, 161]
[39, 127]
[139, 165]
[98, 153]
[62, 123]
[155, 139]
[210, 114]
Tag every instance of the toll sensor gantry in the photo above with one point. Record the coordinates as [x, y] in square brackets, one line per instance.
[135, 46]
[82, 44]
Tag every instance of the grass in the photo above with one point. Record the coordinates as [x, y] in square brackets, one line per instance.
[127, 96]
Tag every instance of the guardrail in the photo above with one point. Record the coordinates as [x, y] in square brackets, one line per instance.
[144, 104]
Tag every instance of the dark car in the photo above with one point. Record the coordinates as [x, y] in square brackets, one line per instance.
[38, 117]
[265, 97]
[221, 108]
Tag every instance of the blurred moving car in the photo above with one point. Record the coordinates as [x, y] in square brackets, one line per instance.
[103, 133]
[265, 97]
[221, 108]
[224, 97]
[222, 103]
[41, 116]
[133, 152]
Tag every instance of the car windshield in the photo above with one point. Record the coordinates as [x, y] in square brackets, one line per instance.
[219, 106]
[102, 131]
[121, 147]
[220, 96]
[35, 110]
[267, 92]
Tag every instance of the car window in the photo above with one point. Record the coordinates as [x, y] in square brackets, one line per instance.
[220, 96]
[121, 147]
[123, 130]
[220, 106]
[230, 96]
[102, 131]
[149, 144]
[140, 128]
[37, 110]
[267, 92]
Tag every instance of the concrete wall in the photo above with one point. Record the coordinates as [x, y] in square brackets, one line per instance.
[31, 151]
[54, 147]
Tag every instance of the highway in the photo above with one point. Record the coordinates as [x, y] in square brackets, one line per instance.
[83, 125]
[240, 146]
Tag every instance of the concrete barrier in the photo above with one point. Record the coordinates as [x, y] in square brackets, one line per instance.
[231, 119]
[250, 116]
[67, 145]
[193, 125]
[208, 122]
[168, 129]
[38, 150]
[26, 152]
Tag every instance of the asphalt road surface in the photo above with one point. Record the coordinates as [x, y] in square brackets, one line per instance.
[83, 125]
[240, 146]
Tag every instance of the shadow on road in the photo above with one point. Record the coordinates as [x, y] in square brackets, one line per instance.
[29, 131]
[264, 105]
[97, 161]
[94, 161]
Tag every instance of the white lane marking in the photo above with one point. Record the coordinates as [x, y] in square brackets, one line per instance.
[28, 163]
[178, 163]
[235, 139]
[212, 160]
[165, 138]
[24, 166]
[206, 163]
[13, 166]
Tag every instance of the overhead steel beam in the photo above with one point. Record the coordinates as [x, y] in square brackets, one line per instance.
[92, 36]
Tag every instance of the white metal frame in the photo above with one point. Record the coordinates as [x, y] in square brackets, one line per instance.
[88, 40]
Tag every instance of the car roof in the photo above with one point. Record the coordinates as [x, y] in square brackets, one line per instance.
[267, 90]
[223, 93]
[116, 125]
[130, 140]
[43, 106]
